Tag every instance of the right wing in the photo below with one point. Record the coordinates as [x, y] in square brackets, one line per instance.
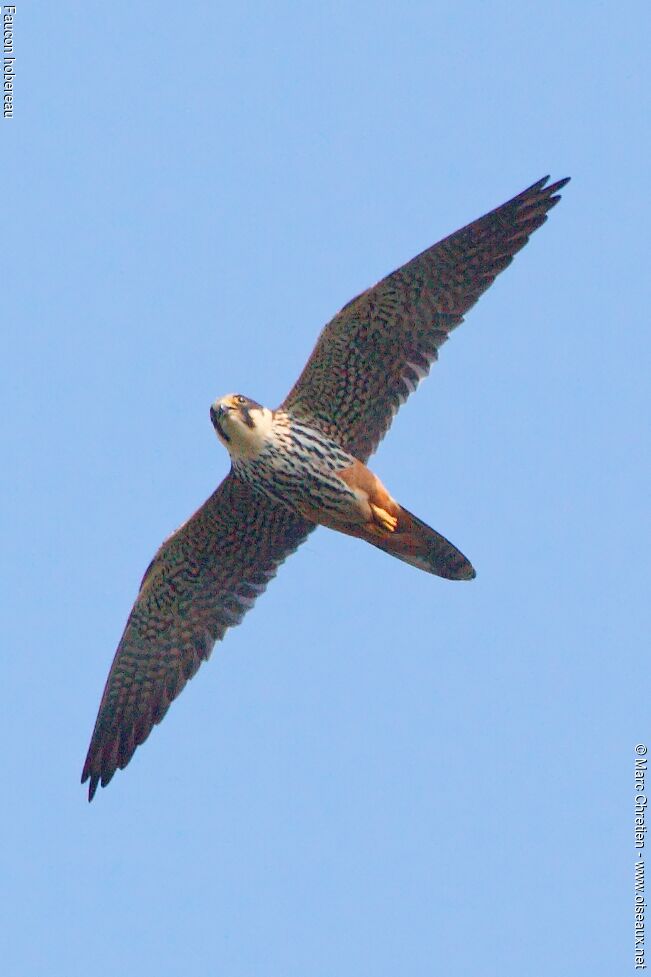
[201, 582]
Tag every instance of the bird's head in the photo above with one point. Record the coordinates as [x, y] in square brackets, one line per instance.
[241, 424]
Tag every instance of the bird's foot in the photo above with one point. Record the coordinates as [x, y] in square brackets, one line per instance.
[385, 519]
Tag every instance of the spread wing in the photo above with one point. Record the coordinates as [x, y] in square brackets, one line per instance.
[201, 582]
[371, 356]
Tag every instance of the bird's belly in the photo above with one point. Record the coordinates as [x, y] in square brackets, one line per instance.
[301, 485]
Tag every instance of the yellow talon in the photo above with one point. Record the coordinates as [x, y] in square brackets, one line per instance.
[386, 520]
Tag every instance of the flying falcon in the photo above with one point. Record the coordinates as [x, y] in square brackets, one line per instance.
[303, 465]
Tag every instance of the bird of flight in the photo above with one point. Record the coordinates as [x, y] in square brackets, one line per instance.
[303, 465]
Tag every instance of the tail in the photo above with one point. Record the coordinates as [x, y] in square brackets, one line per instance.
[416, 543]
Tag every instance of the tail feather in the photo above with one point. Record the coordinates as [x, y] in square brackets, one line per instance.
[421, 546]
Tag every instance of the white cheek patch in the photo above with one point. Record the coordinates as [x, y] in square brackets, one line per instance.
[245, 441]
[263, 418]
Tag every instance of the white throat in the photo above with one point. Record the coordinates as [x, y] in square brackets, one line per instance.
[247, 442]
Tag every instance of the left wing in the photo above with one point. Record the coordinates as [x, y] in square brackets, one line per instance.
[371, 356]
[201, 582]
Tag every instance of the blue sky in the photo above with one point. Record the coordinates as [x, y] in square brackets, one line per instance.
[379, 772]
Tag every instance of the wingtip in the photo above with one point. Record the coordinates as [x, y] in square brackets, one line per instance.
[94, 780]
[540, 186]
[536, 201]
[555, 187]
[544, 179]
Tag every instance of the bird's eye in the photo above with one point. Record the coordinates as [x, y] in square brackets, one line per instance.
[240, 399]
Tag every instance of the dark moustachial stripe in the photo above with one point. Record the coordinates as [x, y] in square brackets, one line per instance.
[246, 417]
[220, 430]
